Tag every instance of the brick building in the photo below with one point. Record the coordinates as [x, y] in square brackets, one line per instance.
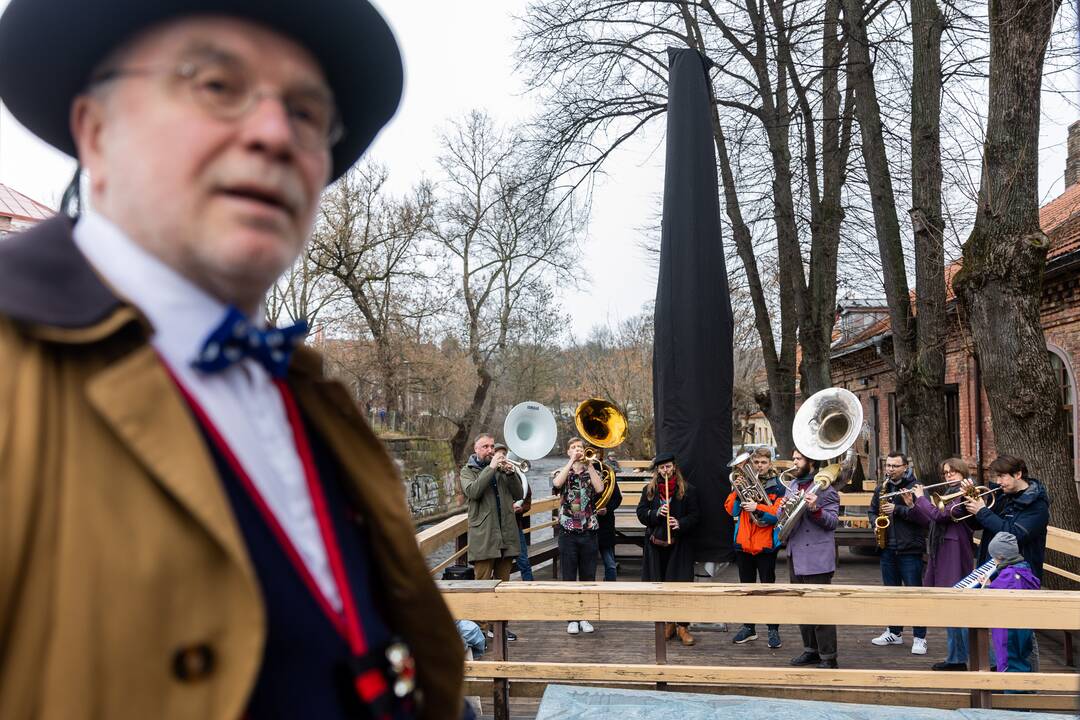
[18, 212]
[861, 354]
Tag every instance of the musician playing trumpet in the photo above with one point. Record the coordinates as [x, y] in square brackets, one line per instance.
[1022, 507]
[901, 558]
[950, 549]
[756, 540]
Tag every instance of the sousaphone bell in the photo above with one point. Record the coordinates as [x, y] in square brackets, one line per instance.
[602, 425]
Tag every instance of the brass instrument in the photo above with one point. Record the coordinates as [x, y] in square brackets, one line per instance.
[747, 485]
[826, 426]
[522, 466]
[881, 530]
[602, 425]
[972, 491]
[530, 431]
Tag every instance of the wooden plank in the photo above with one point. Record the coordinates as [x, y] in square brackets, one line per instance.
[438, 535]
[855, 499]
[632, 486]
[1063, 573]
[636, 464]
[541, 526]
[1064, 541]
[543, 505]
[708, 674]
[724, 602]
[449, 561]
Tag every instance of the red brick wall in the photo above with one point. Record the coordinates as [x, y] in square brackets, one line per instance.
[868, 375]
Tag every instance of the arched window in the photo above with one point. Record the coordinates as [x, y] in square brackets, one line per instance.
[1067, 386]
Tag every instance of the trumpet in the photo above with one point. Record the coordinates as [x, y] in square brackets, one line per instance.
[522, 466]
[973, 492]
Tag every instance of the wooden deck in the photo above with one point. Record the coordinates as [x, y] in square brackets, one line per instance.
[624, 642]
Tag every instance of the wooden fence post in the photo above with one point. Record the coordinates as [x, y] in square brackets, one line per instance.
[500, 686]
[978, 642]
[661, 650]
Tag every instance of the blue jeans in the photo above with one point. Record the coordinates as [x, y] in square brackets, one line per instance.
[522, 561]
[957, 640]
[608, 556]
[897, 570]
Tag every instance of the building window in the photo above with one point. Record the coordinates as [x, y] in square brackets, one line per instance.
[952, 418]
[898, 437]
[1067, 395]
[875, 436]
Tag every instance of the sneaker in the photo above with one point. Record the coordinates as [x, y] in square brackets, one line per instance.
[586, 626]
[510, 636]
[774, 639]
[572, 627]
[918, 646]
[829, 664]
[745, 635]
[889, 638]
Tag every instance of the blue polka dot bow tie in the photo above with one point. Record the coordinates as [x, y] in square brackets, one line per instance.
[237, 338]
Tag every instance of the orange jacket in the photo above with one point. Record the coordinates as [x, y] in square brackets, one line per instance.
[749, 536]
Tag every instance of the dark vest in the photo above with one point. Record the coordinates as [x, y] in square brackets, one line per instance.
[306, 668]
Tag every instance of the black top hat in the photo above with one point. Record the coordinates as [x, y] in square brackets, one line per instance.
[48, 48]
[662, 458]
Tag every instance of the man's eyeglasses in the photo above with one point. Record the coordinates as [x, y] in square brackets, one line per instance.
[227, 92]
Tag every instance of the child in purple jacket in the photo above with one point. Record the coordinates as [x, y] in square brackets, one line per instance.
[1012, 650]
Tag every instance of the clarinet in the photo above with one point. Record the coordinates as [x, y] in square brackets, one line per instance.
[977, 576]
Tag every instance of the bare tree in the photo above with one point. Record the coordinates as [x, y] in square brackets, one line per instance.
[371, 244]
[1000, 284]
[604, 66]
[499, 228]
[918, 348]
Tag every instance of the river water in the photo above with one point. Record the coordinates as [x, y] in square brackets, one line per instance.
[539, 477]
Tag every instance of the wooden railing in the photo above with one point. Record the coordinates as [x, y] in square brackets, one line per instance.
[814, 604]
[456, 529]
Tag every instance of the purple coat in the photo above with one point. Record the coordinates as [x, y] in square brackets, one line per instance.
[812, 544]
[954, 558]
[1013, 577]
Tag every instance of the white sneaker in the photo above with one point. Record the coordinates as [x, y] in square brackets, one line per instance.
[572, 627]
[918, 646]
[890, 638]
[586, 626]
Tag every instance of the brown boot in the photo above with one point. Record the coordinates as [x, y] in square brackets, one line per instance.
[684, 636]
[669, 630]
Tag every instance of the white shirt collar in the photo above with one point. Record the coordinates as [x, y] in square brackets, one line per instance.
[181, 313]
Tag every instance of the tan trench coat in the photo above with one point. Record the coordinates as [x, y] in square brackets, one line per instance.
[118, 547]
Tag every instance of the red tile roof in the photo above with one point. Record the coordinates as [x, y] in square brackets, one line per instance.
[15, 205]
[1059, 219]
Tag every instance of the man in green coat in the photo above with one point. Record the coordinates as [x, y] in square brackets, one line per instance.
[491, 486]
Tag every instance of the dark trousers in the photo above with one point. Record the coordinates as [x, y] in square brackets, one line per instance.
[578, 552]
[820, 639]
[754, 567]
[897, 570]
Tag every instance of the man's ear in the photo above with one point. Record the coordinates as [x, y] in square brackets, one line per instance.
[87, 128]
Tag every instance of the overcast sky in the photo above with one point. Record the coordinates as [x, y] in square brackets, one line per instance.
[459, 56]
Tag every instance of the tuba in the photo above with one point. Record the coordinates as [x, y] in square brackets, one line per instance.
[746, 484]
[602, 425]
[530, 433]
[826, 426]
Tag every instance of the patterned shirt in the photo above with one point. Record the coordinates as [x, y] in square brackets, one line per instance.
[578, 509]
